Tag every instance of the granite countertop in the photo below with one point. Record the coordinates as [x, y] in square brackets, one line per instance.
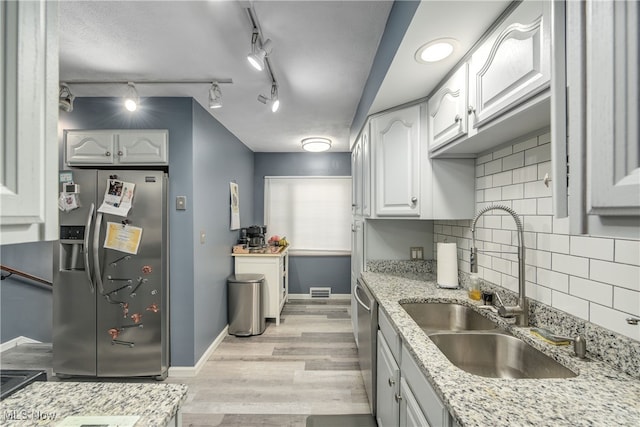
[598, 396]
[48, 403]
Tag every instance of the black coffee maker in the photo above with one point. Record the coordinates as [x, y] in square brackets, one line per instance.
[254, 235]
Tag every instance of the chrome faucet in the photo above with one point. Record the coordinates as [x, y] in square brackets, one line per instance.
[520, 311]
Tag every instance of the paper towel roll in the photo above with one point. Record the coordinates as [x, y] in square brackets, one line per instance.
[447, 265]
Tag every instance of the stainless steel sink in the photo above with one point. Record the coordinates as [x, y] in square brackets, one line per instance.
[434, 316]
[497, 355]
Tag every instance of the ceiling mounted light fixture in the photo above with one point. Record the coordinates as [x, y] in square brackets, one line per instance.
[316, 144]
[258, 54]
[131, 98]
[65, 98]
[215, 96]
[274, 101]
[436, 50]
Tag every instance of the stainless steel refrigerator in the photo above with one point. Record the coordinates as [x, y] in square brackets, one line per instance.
[110, 293]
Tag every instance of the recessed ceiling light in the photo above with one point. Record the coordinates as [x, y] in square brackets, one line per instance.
[436, 50]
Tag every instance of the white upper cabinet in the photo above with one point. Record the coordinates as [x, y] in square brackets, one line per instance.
[447, 110]
[116, 147]
[396, 145]
[366, 172]
[512, 64]
[356, 178]
[28, 121]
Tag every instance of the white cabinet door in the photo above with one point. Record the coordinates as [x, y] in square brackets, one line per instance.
[366, 171]
[447, 110]
[396, 145]
[90, 147]
[410, 413]
[356, 178]
[613, 114]
[28, 121]
[387, 386]
[143, 147]
[513, 64]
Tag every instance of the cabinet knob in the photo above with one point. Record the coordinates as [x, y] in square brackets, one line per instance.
[458, 118]
[391, 382]
[108, 154]
[398, 397]
[471, 110]
[414, 200]
[119, 153]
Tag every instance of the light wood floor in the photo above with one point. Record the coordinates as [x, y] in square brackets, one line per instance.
[307, 365]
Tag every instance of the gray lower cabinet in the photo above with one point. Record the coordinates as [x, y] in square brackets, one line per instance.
[404, 396]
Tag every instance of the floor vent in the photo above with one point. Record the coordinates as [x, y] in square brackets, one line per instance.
[320, 292]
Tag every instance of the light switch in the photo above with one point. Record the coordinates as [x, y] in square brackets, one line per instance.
[181, 203]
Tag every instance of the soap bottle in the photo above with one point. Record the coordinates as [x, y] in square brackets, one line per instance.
[474, 287]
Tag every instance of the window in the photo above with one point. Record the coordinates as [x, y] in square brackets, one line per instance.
[314, 213]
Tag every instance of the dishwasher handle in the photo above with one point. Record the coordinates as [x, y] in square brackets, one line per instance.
[355, 294]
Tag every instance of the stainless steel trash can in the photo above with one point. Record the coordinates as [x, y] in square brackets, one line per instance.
[246, 315]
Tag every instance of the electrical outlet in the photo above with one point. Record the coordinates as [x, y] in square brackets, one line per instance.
[417, 252]
[181, 203]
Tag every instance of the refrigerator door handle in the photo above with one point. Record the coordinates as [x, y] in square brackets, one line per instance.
[96, 253]
[87, 267]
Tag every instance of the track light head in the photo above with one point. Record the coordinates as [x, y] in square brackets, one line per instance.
[131, 98]
[215, 96]
[274, 101]
[257, 55]
[65, 98]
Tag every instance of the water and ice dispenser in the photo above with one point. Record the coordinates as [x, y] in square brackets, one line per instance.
[72, 247]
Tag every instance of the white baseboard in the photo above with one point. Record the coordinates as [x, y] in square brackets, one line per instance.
[307, 296]
[192, 371]
[16, 342]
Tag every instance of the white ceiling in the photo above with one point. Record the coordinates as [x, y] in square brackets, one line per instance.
[321, 58]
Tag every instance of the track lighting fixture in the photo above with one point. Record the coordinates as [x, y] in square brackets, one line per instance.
[131, 98]
[257, 55]
[316, 144]
[274, 101]
[65, 98]
[215, 96]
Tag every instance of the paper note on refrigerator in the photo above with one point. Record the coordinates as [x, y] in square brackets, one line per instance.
[123, 238]
[117, 198]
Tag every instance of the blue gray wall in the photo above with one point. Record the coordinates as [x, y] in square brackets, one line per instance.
[398, 21]
[306, 271]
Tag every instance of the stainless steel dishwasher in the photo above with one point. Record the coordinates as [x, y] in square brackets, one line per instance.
[367, 342]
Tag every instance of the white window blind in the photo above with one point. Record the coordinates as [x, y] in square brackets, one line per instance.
[314, 213]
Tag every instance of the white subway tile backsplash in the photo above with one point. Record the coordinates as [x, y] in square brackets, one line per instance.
[493, 166]
[524, 145]
[503, 178]
[613, 320]
[525, 206]
[538, 223]
[545, 206]
[526, 174]
[593, 278]
[541, 153]
[570, 304]
[484, 159]
[553, 279]
[493, 194]
[503, 152]
[627, 301]
[573, 265]
[626, 276]
[592, 247]
[536, 189]
[511, 192]
[513, 161]
[539, 293]
[627, 251]
[591, 290]
[559, 243]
